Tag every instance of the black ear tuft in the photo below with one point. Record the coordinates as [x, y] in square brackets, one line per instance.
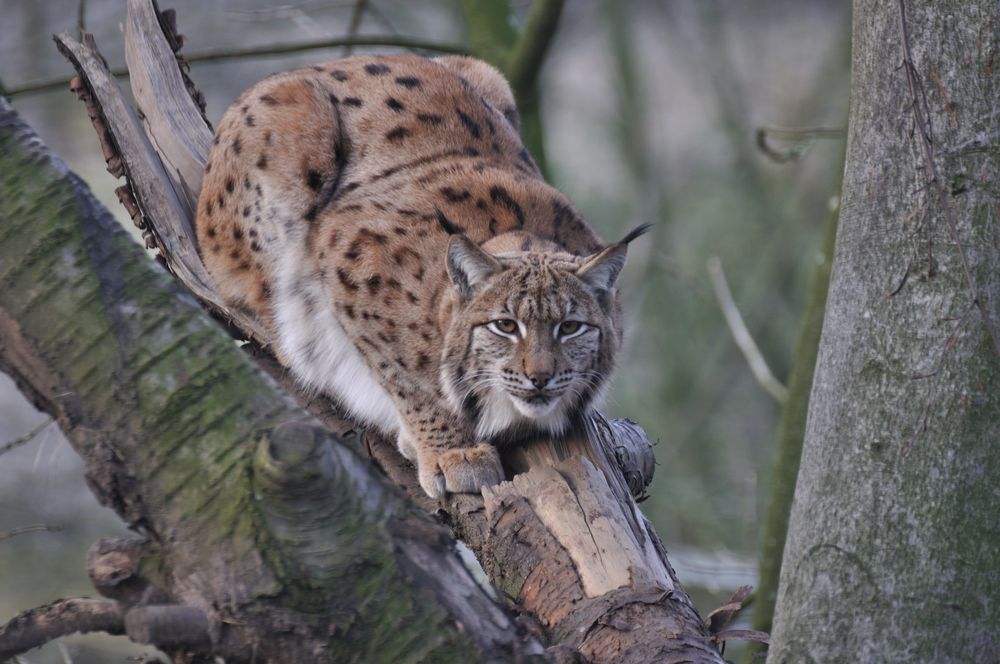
[601, 270]
[636, 232]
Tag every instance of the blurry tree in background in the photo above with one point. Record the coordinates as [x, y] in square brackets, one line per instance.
[893, 550]
[649, 110]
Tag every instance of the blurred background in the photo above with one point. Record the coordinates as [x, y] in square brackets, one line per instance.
[650, 113]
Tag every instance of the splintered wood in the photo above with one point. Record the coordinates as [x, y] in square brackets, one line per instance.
[574, 502]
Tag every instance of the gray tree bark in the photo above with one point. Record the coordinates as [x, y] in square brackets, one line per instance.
[893, 552]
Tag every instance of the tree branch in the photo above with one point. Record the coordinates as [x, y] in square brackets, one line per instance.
[38, 626]
[394, 41]
[25, 439]
[741, 335]
[525, 59]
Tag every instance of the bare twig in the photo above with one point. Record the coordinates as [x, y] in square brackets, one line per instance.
[36, 627]
[525, 58]
[81, 18]
[932, 178]
[803, 138]
[26, 438]
[741, 335]
[273, 12]
[33, 528]
[357, 14]
[394, 41]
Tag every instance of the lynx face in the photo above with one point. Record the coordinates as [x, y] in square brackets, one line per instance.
[532, 338]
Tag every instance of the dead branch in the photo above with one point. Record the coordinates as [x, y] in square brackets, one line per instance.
[741, 335]
[38, 626]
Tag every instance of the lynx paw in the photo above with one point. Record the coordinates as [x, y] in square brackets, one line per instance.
[462, 470]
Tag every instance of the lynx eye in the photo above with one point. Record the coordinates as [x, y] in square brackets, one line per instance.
[570, 328]
[505, 327]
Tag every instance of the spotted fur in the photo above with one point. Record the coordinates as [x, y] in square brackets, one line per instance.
[382, 218]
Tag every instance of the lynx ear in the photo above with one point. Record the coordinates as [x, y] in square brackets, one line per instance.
[600, 271]
[469, 266]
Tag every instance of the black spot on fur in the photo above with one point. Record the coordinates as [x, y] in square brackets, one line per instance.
[397, 135]
[501, 196]
[269, 100]
[374, 283]
[230, 185]
[453, 196]
[470, 125]
[346, 280]
[423, 360]
[408, 81]
[314, 180]
[377, 69]
[395, 104]
[237, 233]
[449, 227]
[210, 231]
[430, 118]
[352, 101]
[237, 146]
[340, 75]
[349, 310]
[246, 211]
[246, 183]
[262, 162]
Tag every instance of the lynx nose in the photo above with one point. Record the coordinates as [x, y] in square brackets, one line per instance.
[539, 378]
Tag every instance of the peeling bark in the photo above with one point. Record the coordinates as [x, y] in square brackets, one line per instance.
[893, 551]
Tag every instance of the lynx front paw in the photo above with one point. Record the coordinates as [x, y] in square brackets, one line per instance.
[461, 470]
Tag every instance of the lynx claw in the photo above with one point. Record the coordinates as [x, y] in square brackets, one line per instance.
[462, 470]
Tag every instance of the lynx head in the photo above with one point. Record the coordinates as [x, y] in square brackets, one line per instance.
[532, 337]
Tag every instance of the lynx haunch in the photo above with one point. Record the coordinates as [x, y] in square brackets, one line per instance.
[382, 219]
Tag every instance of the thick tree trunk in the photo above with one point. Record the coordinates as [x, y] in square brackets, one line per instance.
[893, 551]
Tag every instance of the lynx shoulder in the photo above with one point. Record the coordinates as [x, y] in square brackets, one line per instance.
[383, 220]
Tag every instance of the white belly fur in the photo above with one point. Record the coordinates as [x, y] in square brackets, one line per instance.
[332, 365]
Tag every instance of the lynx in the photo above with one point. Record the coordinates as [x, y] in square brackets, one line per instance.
[383, 220]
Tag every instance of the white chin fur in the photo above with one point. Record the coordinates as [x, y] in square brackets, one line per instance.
[534, 411]
[501, 412]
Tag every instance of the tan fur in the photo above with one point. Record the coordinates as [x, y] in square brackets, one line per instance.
[330, 204]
